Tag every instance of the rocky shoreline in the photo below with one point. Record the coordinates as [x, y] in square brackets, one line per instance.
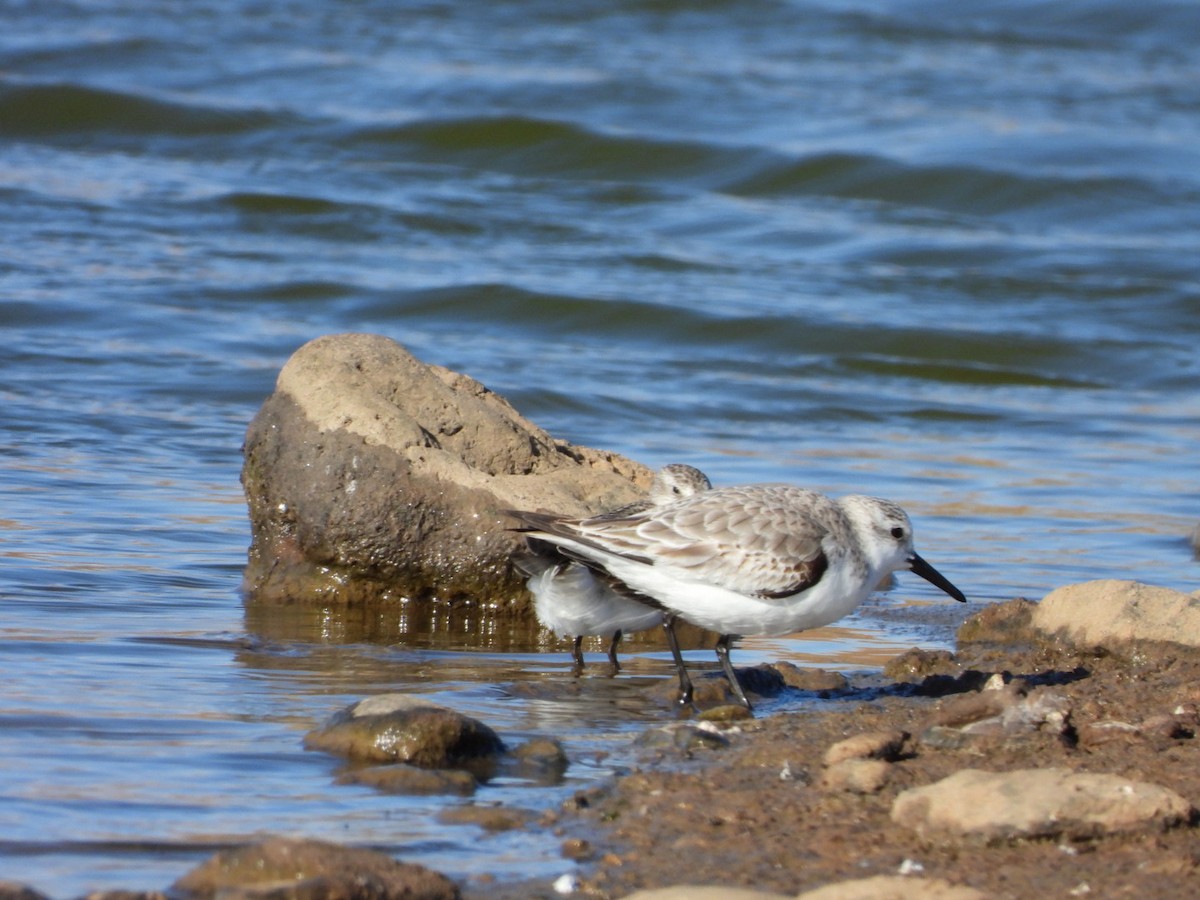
[1053, 753]
[1039, 759]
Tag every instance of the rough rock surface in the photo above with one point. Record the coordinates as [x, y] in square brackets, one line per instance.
[1109, 612]
[394, 728]
[999, 712]
[1037, 803]
[819, 681]
[885, 745]
[893, 887]
[12, 890]
[857, 776]
[370, 475]
[285, 869]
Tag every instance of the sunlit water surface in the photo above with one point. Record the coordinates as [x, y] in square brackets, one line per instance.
[937, 254]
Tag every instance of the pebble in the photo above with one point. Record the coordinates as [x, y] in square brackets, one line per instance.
[887, 745]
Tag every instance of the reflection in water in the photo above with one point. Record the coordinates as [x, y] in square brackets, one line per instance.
[497, 665]
[425, 626]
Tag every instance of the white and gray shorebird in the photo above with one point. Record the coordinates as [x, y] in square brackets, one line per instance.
[761, 559]
[574, 601]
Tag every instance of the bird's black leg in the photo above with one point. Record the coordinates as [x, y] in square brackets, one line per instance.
[577, 652]
[685, 683]
[723, 643]
[612, 650]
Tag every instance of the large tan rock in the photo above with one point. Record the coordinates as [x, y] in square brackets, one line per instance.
[1110, 612]
[370, 475]
[1037, 803]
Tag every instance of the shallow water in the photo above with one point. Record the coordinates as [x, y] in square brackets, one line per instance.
[941, 255]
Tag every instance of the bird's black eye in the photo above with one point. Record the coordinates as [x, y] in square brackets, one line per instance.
[897, 532]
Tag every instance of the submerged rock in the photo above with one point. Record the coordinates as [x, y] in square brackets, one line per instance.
[286, 869]
[370, 475]
[1037, 803]
[541, 760]
[394, 728]
[489, 818]
[410, 780]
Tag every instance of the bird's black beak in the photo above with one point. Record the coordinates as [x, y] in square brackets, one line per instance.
[934, 577]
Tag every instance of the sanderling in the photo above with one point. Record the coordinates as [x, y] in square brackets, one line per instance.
[755, 559]
[574, 602]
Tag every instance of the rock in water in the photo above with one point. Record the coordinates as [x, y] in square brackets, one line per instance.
[395, 728]
[370, 475]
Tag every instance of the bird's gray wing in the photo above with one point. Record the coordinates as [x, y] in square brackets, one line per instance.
[760, 541]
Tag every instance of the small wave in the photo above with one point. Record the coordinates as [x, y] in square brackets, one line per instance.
[508, 306]
[333, 219]
[549, 148]
[1081, 23]
[50, 110]
[958, 189]
[966, 372]
[544, 148]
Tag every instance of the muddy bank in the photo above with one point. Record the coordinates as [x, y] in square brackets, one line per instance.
[767, 811]
[1095, 747]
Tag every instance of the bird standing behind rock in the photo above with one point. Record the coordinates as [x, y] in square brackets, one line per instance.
[575, 601]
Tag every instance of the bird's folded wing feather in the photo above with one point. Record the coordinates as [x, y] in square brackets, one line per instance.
[761, 546]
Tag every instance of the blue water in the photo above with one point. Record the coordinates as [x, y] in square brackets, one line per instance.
[937, 252]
